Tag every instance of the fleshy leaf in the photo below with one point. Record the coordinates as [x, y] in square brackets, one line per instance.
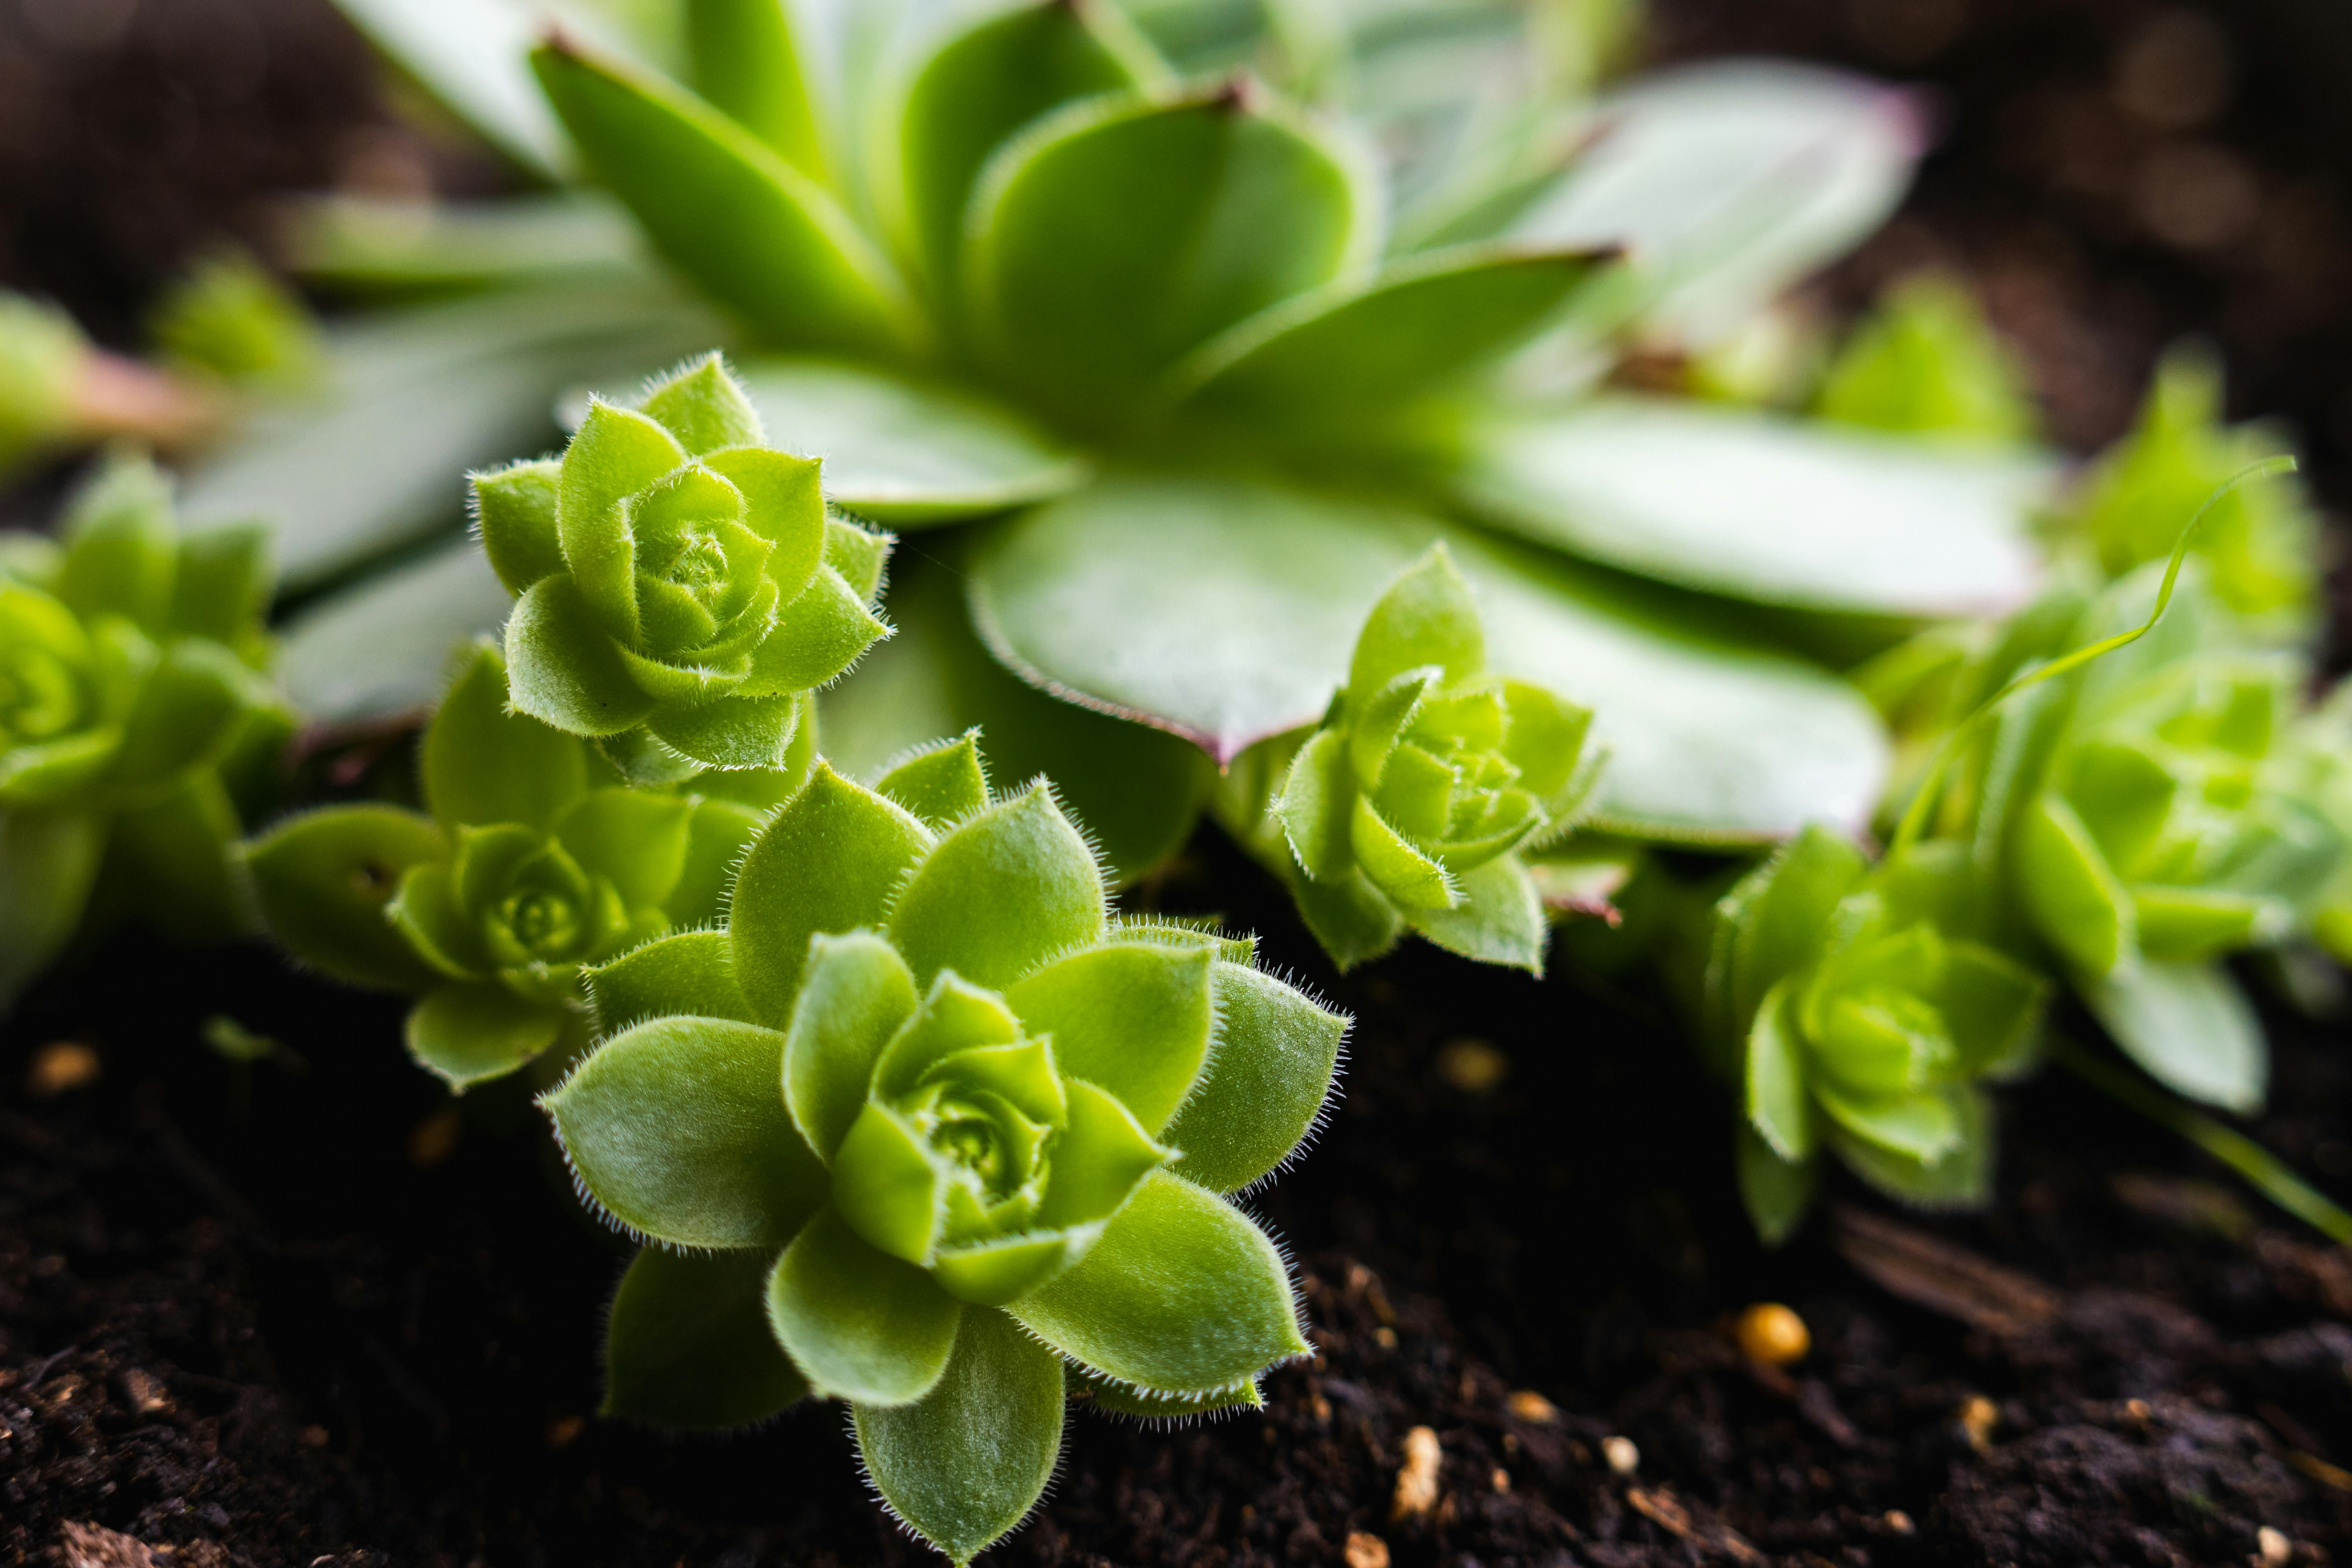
[1010, 888]
[483, 764]
[1082, 298]
[692, 972]
[1775, 1096]
[2068, 889]
[819, 635]
[1114, 1400]
[563, 669]
[324, 879]
[688, 1346]
[1265, 1084]
[1133, 1018]
[704, 407]
[1317, 806]
[1762, 508]
[120, 555]
[761, 235]
[1500, 919]
[966, 1464]
[2190, 1026]
[731, 731]
[223, 586]
[855, 992]
[185, 712]
[862, 1325]
[1426, 617]
[471, 1032]
[1771, 921]
[676, 1130]
[716, 838]
[829, 861]
[943, 784]
[1776, 1194]
[748, 63]
[514, 516]
[49, 861]
[1182, 1294]
[1960, 1178]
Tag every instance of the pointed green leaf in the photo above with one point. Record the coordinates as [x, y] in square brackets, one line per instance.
[690, 972]
[514, 516]
[1354, 921]
[1331, 364]
[469, 54]
[856, 992]
[1134, 1018]
[955, 1016]
[964, 1466]
[224, 583]
[1395, 866]
[1182, 1294]
[482, 763]
[729, 732]
[1113, 1400]
[888, 1187]
[829, 861]
[562, 668]
[1776, 917]
[2191, 1026]
[175, 863]
[1317, 808]
[324, 879]
[1267, 1079]
[762, 236]
[1776, 1102]
[1426, 617]
[120, 553]
[749, 66]
[2069, 890]
[1500, 919]
[1776, 1193]
[1960, 1178]
[49, 862]
[859, 554]
[1083, 296]
[903, 453]
[615, 454]
[998, 895]
[186, 712]
[862, 1325]
[942, 785]
[976, 87]
[1761, 507]
[819, 635]
[674, 1129]
[702, 404]
[783, 503]
[634, 840]
[1099, 1159]
[688, 1346]
[1226, 612]
[472, 1032]
[716, 835]
[1923, 1128]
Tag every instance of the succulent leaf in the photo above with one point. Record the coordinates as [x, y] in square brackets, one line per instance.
[688, 1346]
[863, 1325]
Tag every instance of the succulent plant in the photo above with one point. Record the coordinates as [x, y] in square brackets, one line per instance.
[135, 709]
[680, 587]
[1207, 323]
[533, 862]
[1858, 1011]
[1408, 806]
[926, 1129]
[1924, 362]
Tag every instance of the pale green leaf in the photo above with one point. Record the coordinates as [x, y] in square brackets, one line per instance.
[2190, 1026]
[749, 66]
[1268, 1077]
[324, 880]
[1776, 1103]
[942, 785]
[856, 992]
[1500, 918]
[48, 863]
[676, 1130]
[998, 895]
[862, 1325]
[561, 667]
[1761, 507]
[483, 764]
[1133, 1018]
[1777, 1194]
[1182, 1294]
[690, 972]
[964, 1466]
[472, 1032]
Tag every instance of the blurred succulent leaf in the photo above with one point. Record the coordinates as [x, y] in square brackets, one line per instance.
[325, 880]
[482, 763]
[690, 972]
[1924, 362]
[1761, 507]
[473, 1031]
[48, 863]
[390, 247]
[2190, 1026]
[748, 64]
[863, 1325]
[379, 648]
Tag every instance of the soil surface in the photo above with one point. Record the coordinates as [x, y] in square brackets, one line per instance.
[303, 1311]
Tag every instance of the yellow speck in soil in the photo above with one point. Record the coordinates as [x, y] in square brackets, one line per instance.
[1529, 1405]
[1623, 1456]
[1773, 1334]
[60, 1068]
[1416, 1483]
[1366, 1551]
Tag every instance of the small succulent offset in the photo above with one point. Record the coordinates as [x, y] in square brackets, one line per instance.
[927, 1130]
[680, 586]
[135, 709]
[2152, 817]
[1407, 808]
[534, 862]
[1856, 1011]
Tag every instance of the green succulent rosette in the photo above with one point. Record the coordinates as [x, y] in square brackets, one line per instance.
[533, 861]
[1924, 362]
[680, 585]
[136, 721]
[927, 1130]
[1407, 808]
[1856, 1013]
[2260, 542]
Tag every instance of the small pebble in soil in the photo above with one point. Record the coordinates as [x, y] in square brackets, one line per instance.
[1366, 1551]
[1978, 1417]
[2275, 1548]
[1623, 1456]
[1416, 1482]
[1899, 1522]
[1474, 1066]
[145, 1392]
[1531, 1407]
[562, 1431]
[60, 1068]
[1772, 1335]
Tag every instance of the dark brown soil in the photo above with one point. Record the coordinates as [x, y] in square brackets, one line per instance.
[258, 1316]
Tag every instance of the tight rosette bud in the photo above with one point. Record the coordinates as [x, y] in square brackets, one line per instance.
[679, 584]
[1859, 1019]
[533, 863]
[1406, 807]
[927, 1130]
[131, 689]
